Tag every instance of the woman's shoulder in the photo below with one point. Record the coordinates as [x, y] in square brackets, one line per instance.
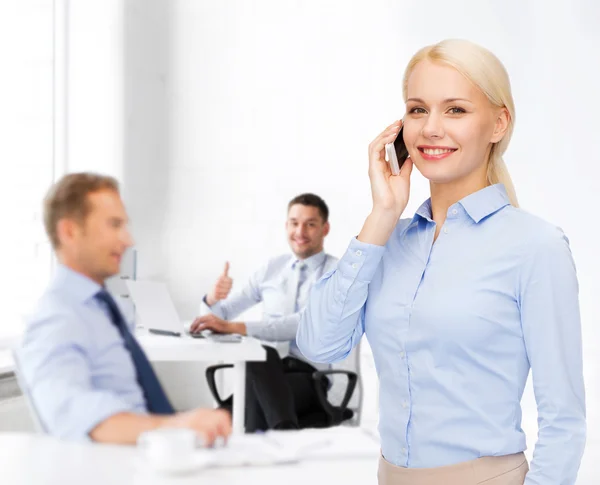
[531, 230]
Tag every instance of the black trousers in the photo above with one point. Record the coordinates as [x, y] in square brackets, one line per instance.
[278, 392]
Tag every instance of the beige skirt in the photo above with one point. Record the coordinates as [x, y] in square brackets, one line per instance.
[492, 470]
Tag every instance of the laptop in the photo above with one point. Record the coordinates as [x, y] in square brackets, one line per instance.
[154, 306]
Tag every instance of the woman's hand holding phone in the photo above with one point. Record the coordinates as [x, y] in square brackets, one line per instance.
[389, 192]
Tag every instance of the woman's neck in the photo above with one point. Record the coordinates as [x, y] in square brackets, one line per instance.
[443, 196]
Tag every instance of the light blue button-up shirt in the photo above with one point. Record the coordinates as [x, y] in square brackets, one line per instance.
[454, 327]
[269, 286]
[76, 368]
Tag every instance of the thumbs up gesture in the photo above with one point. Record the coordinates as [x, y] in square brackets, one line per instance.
[222, 287]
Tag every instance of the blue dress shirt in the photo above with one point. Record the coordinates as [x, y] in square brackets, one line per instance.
[75, 366]
[454, 327]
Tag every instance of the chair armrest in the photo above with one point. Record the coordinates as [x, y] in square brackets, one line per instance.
[352, 380]
[211, 381]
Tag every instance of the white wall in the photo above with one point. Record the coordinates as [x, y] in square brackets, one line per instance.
[95, 80]
[268, 99]
[114, 61]
[26, 163]
[259, 101]
[146, 50]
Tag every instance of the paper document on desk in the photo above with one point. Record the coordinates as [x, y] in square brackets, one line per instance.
[252, 450]
[278, 447]
[329, 443]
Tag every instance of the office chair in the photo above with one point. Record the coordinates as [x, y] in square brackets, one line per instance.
[33, 413]
[335, 390]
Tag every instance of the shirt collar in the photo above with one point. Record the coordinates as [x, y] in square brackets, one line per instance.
[75, 284]
[424, 211]
[485, 202]
[313, 262]
[477, 205]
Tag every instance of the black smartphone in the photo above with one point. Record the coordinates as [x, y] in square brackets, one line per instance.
[400, 148]
[396, 153]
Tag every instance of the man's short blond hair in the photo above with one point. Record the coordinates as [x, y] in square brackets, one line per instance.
[68, 198]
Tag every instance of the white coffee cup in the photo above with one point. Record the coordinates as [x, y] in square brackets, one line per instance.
[169, 449]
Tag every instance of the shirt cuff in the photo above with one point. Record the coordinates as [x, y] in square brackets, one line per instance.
[216, 309]
[253, 329]
[361, 260]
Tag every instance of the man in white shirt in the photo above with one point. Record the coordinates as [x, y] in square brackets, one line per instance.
[280, 389]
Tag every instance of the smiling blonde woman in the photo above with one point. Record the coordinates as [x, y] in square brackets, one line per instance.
[462, 300]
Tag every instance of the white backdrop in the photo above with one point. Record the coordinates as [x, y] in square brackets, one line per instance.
[269, 99]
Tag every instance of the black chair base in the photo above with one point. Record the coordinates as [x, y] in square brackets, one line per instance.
[330, 415]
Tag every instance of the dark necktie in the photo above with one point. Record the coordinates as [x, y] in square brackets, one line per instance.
[156, 399]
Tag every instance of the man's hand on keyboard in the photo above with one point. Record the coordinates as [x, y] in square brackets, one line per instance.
[217, 325]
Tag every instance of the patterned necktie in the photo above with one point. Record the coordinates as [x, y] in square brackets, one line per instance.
[156, 399]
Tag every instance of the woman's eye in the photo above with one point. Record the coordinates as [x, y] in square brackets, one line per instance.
[456, 111]
[417, 111]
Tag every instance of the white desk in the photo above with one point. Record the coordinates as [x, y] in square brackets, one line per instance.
[186, 349]
[41, 460]
[28, 459]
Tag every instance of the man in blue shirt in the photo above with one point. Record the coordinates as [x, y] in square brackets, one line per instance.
[85, 373]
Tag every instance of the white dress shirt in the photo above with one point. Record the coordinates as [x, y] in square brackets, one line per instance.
[270, 285]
